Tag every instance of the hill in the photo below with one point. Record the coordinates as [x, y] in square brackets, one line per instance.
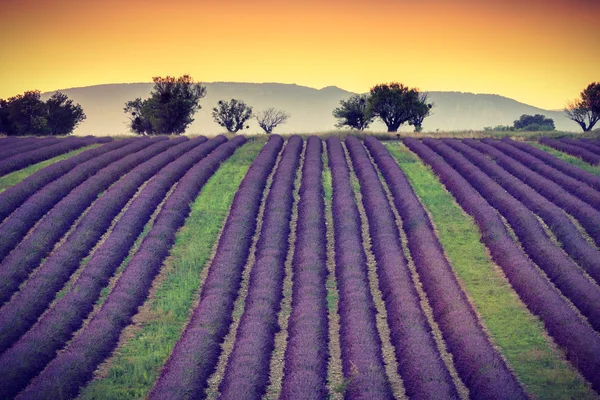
[310, 108]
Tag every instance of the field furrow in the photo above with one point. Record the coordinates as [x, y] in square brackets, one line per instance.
[362, 359]
[98, 339]
[559, 164]
[67, 314]
[419, 362]
[560, 269]
[585, 214]
[196, 354]
[17, 194]
[22, 160]
[479, 365]
[586, 255]
[581, 342]
[40, 241]
[17, 224]
[574, 150]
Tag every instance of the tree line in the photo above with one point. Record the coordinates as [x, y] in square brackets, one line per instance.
[174, 101]
[27, 114]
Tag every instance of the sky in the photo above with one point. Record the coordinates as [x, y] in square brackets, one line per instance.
[540, 52]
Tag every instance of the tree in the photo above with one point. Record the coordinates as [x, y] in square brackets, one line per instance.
[232, 115]
[63, 116]
[395, 104]
[270, 118]
[354, 112]
[170, 107]
[26, 114]
[421, 110]
[537, 122]
[585, 110]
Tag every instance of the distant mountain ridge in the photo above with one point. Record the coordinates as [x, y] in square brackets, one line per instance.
[310, 108]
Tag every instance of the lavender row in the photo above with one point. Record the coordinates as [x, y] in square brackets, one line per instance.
[20, 161]
[33, 351]
[196, 354]
[587, 216]
[478, 364]
[573, 150]
[560, 269]
[573, 242]
[306, 355]
[557, 163]
[40, 241]
[64, 376]
[580, 341]
[423, 372]
[16, 195]
[33, 298]
[247, 372]
[595, 143]
[592, 148]
[33, 145]
[14, 142]
[579, 189]
[362, 360]
[17, 224]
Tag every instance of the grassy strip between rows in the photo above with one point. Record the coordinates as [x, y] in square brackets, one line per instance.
[13, 178]
[576, 161]
[519, 334]
[136, 365]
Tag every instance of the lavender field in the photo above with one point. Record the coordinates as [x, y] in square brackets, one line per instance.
[294, 268]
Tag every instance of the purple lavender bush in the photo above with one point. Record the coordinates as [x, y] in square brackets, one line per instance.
[579, 340]
[247, 372]
[362, 360]
[16, 195]
[560, 269]
[585, 214]
[64, 375]
[196, 354]
[480, 367]
[586, 255]
[306, 355]
[423, 372]
[557, 163]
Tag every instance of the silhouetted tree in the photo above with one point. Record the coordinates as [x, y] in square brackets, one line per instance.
[232, 115]
[537, 122]
[25, 114]
[63, 116]
[4, 119]
[170, 108]
[421, 110]
[585, 110]
[270, 118]
[394, 104]
[354, 112]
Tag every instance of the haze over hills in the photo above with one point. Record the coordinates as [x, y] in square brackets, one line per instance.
[310, 108]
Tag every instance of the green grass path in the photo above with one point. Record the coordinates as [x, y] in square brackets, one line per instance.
[135, 366]
[519, 334]
[13, 178]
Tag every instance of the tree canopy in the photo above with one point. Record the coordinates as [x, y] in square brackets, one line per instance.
[585, 109]
[27, 114]
[396, 104]
[170, 107]
[537, 122]
[354, 112]
[232, 115]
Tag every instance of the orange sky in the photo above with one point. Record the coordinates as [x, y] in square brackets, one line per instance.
[541, 52]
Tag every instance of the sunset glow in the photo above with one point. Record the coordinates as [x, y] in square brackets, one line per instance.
[539, 52]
